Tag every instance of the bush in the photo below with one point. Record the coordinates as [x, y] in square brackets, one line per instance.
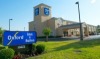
[2, 47]
[7, 53]
[49, 36]
[40, 48]
[34, 47]
[41, 36]
[0, 40]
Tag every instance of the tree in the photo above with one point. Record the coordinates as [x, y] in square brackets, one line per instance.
[46, 32]
[1, 32]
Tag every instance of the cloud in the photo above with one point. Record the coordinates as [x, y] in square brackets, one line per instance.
[93, 1]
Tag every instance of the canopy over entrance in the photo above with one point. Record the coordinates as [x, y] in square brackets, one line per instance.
[72, 26]
[73, 29]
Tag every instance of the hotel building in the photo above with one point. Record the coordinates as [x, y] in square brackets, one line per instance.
[59, 26]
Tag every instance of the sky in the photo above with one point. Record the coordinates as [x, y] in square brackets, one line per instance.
[21, 11]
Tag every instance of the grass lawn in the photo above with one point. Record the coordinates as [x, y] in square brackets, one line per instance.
[72, 49]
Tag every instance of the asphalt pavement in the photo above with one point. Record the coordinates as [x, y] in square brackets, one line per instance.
[93, 37]
[85, 38]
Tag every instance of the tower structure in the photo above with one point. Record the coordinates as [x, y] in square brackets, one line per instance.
[42, 13]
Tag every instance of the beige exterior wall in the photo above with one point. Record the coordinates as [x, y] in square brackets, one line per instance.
[64, 22]
[51, 25]
[31, 26]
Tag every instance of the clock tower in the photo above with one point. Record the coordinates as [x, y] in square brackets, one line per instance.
[42, 13]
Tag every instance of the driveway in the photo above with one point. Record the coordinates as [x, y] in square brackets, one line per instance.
[85, 38]
[93, 37]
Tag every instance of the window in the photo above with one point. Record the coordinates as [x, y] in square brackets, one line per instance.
[46, 11]
[36, 11]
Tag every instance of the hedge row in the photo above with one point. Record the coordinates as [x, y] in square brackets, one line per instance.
[49, 37]
[10, 52]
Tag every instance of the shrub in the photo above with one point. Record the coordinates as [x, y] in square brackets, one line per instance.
[41, 36]
[2, 47]
[33, 47]
[7, 53]
[40, 48]
[0, 40]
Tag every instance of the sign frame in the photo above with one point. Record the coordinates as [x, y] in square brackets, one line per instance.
[23, 39]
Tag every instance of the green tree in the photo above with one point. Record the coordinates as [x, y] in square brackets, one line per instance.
[46, 32]
[1, 32]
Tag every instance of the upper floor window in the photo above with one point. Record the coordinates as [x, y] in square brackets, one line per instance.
[36, 11]
[46, 11]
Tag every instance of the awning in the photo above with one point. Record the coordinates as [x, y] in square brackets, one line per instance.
[71, 26]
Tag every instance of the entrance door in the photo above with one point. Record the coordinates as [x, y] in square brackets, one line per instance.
[65, 33]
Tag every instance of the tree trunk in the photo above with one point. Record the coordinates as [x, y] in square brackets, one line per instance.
[46, 38]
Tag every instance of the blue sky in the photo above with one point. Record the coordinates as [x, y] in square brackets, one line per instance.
[21, 11]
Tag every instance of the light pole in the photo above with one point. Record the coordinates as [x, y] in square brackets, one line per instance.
[24, 28]
[9, 23]
[81, 30]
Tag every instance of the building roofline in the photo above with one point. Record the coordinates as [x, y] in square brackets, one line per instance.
[30, 21]
[42, 4]
[91, 25]
[63, 19]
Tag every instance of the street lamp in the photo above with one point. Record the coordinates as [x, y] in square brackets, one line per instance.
[9, 23]
[24, 28]
[81, 30]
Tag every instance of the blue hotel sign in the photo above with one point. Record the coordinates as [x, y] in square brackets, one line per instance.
[13, 38]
